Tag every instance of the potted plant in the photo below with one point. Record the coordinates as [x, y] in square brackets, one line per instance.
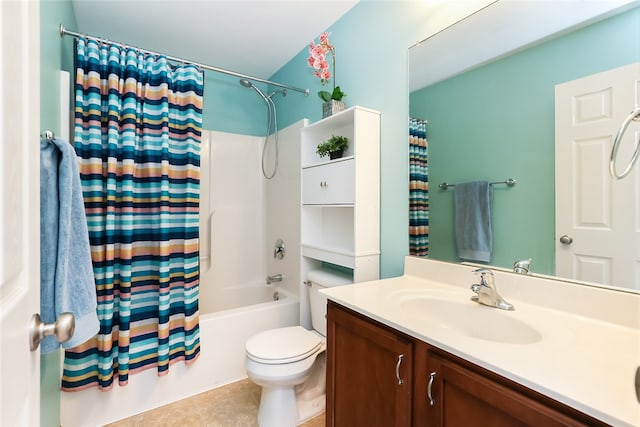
[318, 61]
[333, 147]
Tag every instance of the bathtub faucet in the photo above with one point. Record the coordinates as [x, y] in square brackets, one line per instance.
[274, 278]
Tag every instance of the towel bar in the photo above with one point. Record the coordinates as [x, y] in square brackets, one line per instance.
[509, 182]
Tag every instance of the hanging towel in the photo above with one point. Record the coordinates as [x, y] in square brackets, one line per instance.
[472, 203]
[66, 273]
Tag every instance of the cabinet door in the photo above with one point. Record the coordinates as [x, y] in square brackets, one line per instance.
[461, 397]
[369, 372]
[329, 184]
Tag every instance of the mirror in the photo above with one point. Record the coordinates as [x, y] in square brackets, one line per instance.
[486, 86]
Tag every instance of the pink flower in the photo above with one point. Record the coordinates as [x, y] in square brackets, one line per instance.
[318, 51]
[324, 38]
[311, 60]
[317, 60]
[318, 57]
[325, 74]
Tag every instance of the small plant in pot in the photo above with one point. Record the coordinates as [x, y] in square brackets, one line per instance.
[333, 147]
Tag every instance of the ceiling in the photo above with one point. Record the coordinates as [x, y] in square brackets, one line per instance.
[255, 37]
[515, 25]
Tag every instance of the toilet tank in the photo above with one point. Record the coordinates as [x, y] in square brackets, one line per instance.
[320, 279]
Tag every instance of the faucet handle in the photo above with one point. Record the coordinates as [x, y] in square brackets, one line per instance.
[486, 276]
[522, 266]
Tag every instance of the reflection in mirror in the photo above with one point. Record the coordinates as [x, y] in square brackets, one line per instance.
[539, 100]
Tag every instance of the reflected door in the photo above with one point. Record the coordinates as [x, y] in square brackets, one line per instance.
[597, 218]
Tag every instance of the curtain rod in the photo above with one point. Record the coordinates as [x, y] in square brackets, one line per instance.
[65, 32]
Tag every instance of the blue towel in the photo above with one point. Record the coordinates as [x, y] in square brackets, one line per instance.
[472, 204]
[66, 273]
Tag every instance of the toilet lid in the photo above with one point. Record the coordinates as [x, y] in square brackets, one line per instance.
[283, 345]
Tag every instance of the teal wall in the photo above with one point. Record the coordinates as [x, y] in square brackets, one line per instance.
[230, 107]
[371, 41]
[55, 54]
[468, 142]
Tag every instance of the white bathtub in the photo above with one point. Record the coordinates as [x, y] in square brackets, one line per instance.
[222, 352]
[238, 297]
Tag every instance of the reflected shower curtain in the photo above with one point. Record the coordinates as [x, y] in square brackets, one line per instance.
[138, 125]
[418, 188]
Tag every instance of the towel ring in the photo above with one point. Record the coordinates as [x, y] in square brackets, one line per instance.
[634, 116]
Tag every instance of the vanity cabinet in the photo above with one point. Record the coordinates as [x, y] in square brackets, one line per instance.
[429, 388]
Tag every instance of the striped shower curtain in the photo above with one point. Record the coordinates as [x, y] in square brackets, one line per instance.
[138, 125]
[418, 188]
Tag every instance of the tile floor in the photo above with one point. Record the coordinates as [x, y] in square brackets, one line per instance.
[234, 405]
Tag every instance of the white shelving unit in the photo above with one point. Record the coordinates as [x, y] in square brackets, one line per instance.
[341, 198]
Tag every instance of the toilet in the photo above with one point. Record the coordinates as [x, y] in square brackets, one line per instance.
[290, 363]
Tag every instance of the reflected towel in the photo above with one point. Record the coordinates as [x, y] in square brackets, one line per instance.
[66, 273]
[472, 203]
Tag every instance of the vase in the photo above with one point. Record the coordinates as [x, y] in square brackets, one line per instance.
[336, 154]
[332, 107]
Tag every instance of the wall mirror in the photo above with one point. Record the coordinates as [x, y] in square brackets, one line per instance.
[486, 86]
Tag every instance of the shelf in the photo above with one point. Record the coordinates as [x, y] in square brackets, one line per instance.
[329, 206]
[345, 117]
[332, 255]
[339, 194]
[328, 162]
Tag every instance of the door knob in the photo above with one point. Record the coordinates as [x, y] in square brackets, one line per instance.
[566, 240]
[62, 329]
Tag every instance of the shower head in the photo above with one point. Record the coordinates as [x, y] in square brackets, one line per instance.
[247, 83]
[271, 111]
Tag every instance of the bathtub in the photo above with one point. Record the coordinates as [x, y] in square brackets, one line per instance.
[223, 335]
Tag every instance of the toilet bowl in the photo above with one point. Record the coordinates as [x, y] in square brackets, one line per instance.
[290, 363]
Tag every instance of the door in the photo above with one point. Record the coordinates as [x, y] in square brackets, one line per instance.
[329, 184]
[19, 210]
[597, 237]
[459, 397]
[369, 372]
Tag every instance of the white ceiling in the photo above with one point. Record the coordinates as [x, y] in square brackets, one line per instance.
[514, 24]
[249, 37]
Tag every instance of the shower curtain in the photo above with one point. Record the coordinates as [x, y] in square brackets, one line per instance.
[137, 135]
[418, 188]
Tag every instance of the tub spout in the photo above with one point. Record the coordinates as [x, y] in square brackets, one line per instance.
[274, 278]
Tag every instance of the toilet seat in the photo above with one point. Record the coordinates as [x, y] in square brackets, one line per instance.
[283, 345]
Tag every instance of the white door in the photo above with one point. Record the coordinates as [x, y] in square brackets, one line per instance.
[19, 210]
[597, 218]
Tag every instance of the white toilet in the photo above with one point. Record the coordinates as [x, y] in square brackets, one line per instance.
[289, 363]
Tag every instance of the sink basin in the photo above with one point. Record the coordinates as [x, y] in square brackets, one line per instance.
[471, 319]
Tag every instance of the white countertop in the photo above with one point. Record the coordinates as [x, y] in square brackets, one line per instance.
[589, 345]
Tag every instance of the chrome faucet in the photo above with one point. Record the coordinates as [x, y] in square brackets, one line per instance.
[274, 278]
[486, 291]
[522, 266]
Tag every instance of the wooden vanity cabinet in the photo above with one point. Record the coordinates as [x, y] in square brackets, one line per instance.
[363, 389]
[369, 372]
